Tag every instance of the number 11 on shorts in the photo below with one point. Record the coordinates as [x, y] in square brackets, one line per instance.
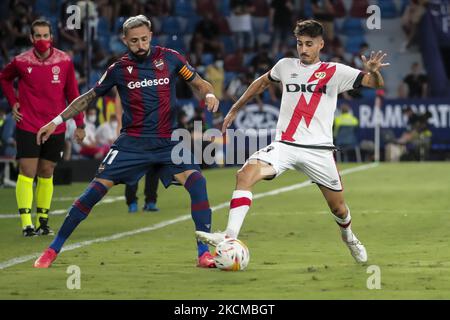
[111, 155]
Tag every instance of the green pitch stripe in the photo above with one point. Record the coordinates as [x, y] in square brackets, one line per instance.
[18, 260]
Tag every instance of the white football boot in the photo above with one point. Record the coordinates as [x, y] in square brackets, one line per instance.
[212, 239]
[357, 250]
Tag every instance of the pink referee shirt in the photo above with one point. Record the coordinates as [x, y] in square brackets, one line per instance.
[45, 88]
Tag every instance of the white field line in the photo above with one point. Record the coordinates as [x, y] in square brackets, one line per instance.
[18, 260]
[64, 211]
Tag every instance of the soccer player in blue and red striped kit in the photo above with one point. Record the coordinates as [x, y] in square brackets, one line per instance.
[145, 79]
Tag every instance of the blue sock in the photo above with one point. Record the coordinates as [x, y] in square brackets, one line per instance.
[201, 213]
[78, 212]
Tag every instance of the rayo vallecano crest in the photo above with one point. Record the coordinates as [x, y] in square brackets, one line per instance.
[320, 75]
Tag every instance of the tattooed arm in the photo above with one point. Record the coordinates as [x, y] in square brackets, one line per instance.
[78, 105]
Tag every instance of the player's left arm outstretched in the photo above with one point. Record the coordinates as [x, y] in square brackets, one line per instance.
[373, 77]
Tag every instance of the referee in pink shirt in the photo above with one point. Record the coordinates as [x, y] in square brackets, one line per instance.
[46, 85]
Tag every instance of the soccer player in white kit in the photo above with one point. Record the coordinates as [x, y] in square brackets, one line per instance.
[304, 137]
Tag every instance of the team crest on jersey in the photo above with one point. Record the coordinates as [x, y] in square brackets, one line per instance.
[159, 64]
[320, 75]
[56, 70]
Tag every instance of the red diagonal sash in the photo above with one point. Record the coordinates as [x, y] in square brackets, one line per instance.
[306, 110]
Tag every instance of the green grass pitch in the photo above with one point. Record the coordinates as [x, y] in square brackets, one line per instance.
[401, 212]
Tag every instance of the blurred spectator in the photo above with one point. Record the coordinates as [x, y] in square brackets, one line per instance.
[238, 85]
[90, 147]
[7, 132]
[5, 44]
[106, 133]
[323, 11]
[260, 17]
[157, 8]
[240, 22]
[280, 22]
[216, 76]
[75, 39]
[7, 144]
[411, 118]
[358, 8]
[69, 39]
[106, 10]
[410, 21]
[130, 8]
[183, 119]
[345, 118]
[206, 38]
[106, 106]
[363, 51]
[415, 84]
[79, 72]
[259, 65]
[206, 6]
[196, 47]
[345, 136]
[18, 24]
[235, 62]
[415, 142]
[261, 62]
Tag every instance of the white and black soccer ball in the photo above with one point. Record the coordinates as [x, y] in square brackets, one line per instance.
[231, 255]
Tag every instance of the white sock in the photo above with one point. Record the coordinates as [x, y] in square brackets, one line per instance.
[345, 226]
[239, 205]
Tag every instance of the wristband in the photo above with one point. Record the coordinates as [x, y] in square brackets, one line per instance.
[210, 95]
[58, 120]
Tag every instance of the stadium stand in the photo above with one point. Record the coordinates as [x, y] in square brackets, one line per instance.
[175, 25]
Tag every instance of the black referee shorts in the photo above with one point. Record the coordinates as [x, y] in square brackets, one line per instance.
[27, 147]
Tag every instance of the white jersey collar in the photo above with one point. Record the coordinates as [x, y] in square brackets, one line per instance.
[309, 66]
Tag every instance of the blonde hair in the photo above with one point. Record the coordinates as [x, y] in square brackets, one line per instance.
[135, 22]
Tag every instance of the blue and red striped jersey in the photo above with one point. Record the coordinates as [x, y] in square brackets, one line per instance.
[147, 90]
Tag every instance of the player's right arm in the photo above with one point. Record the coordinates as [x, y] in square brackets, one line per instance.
[75, 107]
[106, 82]
[256, 88]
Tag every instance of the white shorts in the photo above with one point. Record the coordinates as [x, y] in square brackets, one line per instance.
[318, 164]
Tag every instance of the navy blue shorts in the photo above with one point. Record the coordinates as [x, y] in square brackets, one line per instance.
[130, 158]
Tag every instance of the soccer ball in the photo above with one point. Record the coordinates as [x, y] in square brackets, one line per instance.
[231, 255]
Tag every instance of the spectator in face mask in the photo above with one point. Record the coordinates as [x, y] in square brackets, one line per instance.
[90, 147]
[106, 133]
